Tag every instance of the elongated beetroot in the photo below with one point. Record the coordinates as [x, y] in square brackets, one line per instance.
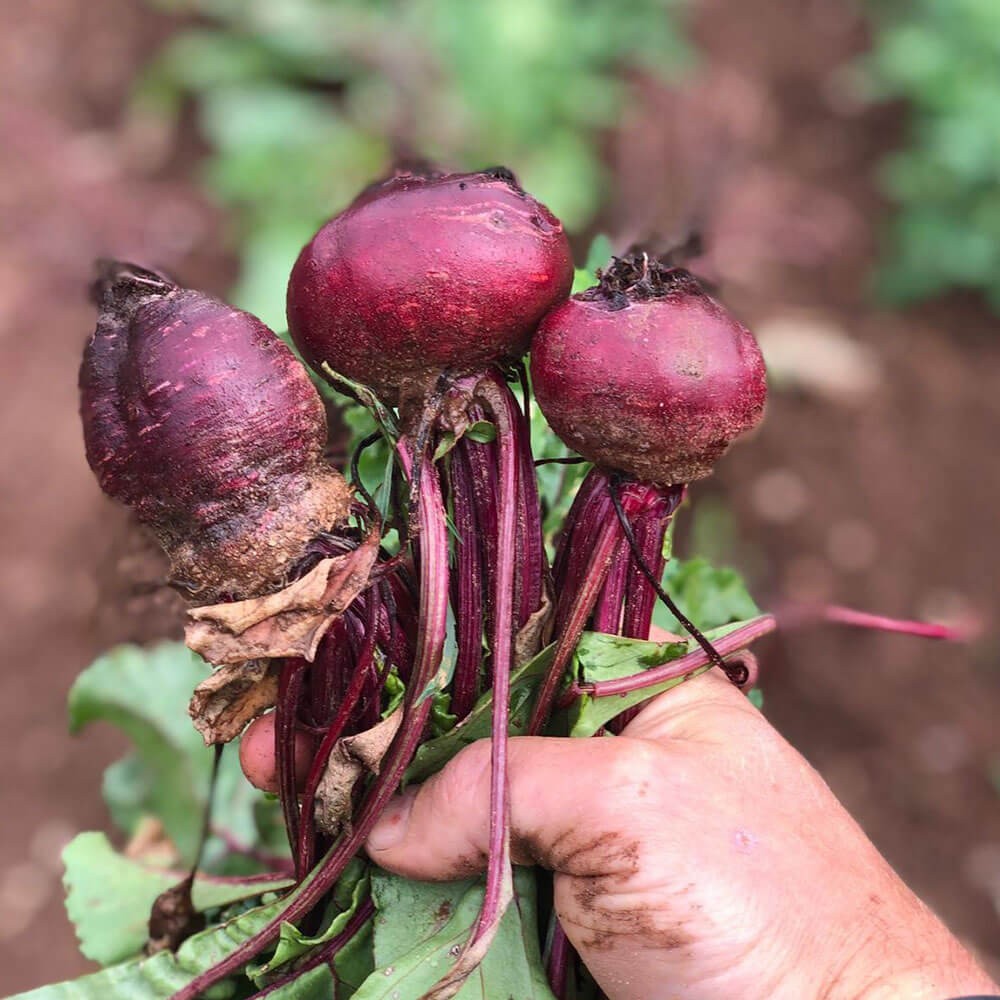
[424, 273]
[648, 375]
[199, 418]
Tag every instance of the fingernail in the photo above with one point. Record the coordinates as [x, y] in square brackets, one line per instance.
[391, 826]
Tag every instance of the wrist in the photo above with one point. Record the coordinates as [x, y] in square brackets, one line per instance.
[914, 966]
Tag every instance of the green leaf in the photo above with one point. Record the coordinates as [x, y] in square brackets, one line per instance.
[162, 975]
[420, 927]
[316, 984]
[449, 658]
[355, 962]
[292, 942]
[582, 280]
[708, 596]
[109, 896]
[434, 754]
[481, 432]
[442, 721]
[395, 690]
[145, 693]
[126, 787]
[601, 657]
[600, 253]
[598, 256]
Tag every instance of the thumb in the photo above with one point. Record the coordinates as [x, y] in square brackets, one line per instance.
[565, 803]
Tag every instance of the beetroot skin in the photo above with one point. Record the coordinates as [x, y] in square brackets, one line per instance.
[199, 418]
[424, 273]
[646, 374]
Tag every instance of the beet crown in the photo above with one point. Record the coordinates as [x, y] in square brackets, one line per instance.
[648, 375]
[197, 416]
[426, 272]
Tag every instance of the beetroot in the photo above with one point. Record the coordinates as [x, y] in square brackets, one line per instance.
[427, 272]
[646, 374]
[198, 417]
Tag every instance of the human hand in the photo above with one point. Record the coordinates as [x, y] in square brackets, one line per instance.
[697, 855]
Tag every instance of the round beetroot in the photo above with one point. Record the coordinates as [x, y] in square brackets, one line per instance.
[426, 272]
[646, 374]
[197, 416]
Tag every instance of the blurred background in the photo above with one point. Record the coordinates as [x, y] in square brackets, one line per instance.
[841, 160]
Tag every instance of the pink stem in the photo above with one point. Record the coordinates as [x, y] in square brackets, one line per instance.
[498, 865]
[285, 718]
[362, 915]
[560, 951]
[307, 828]
[467, 597]
[731, 643]
[600, 562]
[583, 571]
[862, 619]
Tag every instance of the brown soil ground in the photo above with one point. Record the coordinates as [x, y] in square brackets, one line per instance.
[883, 498]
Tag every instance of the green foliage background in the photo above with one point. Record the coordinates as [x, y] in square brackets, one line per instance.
[304, 102]
[943, 58]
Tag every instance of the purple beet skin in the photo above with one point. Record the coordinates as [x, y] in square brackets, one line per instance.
[424, 273]
[199, 418]
[646, 374]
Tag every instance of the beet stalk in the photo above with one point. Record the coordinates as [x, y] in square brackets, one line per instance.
[433, 559]
[651, 379]
[422, 289]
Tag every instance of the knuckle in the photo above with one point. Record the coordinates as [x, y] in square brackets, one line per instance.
[457, 787]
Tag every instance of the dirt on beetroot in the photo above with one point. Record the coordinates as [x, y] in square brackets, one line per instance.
[880, 499]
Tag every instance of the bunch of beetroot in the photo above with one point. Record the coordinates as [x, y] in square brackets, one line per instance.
[421, 299]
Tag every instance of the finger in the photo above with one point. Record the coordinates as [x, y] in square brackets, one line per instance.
[564, 803]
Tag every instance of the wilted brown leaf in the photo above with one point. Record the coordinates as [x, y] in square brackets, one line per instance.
[289, 623]
[236, 693]
[173, 918]
[535, 634]
[351, 758]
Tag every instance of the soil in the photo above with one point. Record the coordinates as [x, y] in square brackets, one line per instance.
[870, 483]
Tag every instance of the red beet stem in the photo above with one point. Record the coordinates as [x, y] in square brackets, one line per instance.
[586, 557]
[560, 954]
[499, 873]
[358, 677]
[733, 642]
[467, 594]
[433, 547]
[862, 619]
[326, 954]
[601, 555]
[286, 712]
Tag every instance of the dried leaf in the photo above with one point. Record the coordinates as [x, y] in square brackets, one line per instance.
[535, 634]
[224, 703]
[289, 623]
[173, 918]
[349, 760]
